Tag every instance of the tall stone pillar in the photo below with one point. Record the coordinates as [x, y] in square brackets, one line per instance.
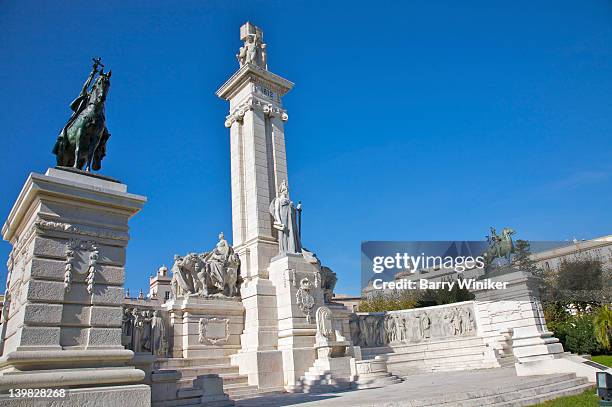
[258, 166]
[61, 323]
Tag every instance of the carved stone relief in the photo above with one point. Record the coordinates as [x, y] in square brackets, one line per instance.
[214, 330]
[74, 247]
[305, 299]
[412, 326]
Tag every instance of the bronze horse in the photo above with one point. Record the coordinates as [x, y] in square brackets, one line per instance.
[500, 247]
[82, 142]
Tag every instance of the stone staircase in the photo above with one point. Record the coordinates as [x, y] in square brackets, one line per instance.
[538, 390]
[497, 388]
[434, 356]
[319, 380]
[235, 385]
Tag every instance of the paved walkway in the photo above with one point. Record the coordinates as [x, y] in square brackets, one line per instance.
[420, 386]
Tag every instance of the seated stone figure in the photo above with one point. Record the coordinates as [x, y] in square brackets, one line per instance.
[210, 273]
[329, 341]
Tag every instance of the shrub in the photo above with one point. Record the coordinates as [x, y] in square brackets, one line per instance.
[577, 334]
[392, 301]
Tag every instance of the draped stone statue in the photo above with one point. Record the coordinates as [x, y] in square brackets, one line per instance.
[137, 331]
[284, 214]
[324, 324]
[214, 273]
[329, 341]
[127, 325]
[146, 331]
[159, 335]
[218, 262]
[254, 50]
[182, 282]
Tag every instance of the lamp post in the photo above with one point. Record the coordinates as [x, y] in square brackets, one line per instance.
[604, 388]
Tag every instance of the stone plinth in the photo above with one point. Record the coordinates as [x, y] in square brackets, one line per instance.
[69, 232]
[517, 309]
[207, 327]
[298, 296]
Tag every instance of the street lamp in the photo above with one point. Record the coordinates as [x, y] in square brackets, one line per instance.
[604, 388]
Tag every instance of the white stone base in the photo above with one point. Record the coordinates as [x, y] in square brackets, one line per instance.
[137, 395]
[561, 364]
[205, 327]
[528, 345]
[263, 368]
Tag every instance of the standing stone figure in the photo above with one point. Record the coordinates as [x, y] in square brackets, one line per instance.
[284, 213]
[181, 283]
[127, 325]
[254, 50]
[82, 141]
[137, 331]
[159, 343]
[146, 331]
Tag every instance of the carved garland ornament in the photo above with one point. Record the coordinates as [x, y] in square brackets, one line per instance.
[214, 330]
[45, 225]
[72, 246]
[304, 298]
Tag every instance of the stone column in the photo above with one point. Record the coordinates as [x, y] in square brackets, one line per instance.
[258, 166]
[69, 232]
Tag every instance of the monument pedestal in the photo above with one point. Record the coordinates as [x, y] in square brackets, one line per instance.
[516, 308]
[208, 327]
[62, 314]
[259, 357]
[514, 315]
[298, 295]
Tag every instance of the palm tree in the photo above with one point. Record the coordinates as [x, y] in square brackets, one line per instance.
[603, 326]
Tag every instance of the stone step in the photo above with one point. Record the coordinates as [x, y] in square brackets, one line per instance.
[530, 401]
[531, 388]
[449, 343]
[239, 390]
[228, 379]
[173, 363]
[326, 388]
[251, 392]
[314, 375]
[465, 353]
[376, 382]
[180, 403]
[530, 393]
[201, 370]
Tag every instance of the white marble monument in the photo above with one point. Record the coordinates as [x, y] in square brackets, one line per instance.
[282, 282]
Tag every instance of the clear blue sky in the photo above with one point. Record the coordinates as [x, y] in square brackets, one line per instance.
[427, 120]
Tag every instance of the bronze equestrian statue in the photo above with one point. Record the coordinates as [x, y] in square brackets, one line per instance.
[499, 246]
[82, 141]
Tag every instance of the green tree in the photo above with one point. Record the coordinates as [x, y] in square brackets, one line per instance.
[522, 256]
[602, 324]
[580, 282]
